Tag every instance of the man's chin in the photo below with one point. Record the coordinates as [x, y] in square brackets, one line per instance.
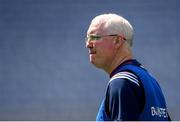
[96, 64]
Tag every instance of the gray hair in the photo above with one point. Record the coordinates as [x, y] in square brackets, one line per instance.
[115, 24]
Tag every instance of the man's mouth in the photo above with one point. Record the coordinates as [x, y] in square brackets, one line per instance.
[92, 52]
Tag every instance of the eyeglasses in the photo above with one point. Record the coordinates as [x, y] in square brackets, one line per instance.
[98, 37]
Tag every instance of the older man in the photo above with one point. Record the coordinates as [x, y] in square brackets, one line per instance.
[132, 93]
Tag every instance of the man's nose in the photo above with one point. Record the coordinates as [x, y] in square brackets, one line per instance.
[89, 44]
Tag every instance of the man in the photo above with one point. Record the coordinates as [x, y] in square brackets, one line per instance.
[132, 93]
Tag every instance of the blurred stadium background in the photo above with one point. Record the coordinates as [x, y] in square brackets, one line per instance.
[45, 72]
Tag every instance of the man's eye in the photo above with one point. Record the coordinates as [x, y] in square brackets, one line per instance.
[96, 37]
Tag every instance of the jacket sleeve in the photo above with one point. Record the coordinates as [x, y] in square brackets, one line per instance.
[123, 100]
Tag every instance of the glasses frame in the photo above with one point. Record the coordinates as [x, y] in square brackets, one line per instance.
[98, 37]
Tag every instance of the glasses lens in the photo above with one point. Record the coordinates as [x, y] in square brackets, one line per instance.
[92, 37]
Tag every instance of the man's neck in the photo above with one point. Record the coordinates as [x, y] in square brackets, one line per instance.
[121, 56]
[119, 62]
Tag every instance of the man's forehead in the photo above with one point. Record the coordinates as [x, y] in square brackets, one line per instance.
[95, 28]
[92, 30]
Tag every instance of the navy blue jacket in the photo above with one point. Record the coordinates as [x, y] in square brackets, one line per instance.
[132, 94]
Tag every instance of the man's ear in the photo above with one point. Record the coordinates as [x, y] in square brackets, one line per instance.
[117, 42]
